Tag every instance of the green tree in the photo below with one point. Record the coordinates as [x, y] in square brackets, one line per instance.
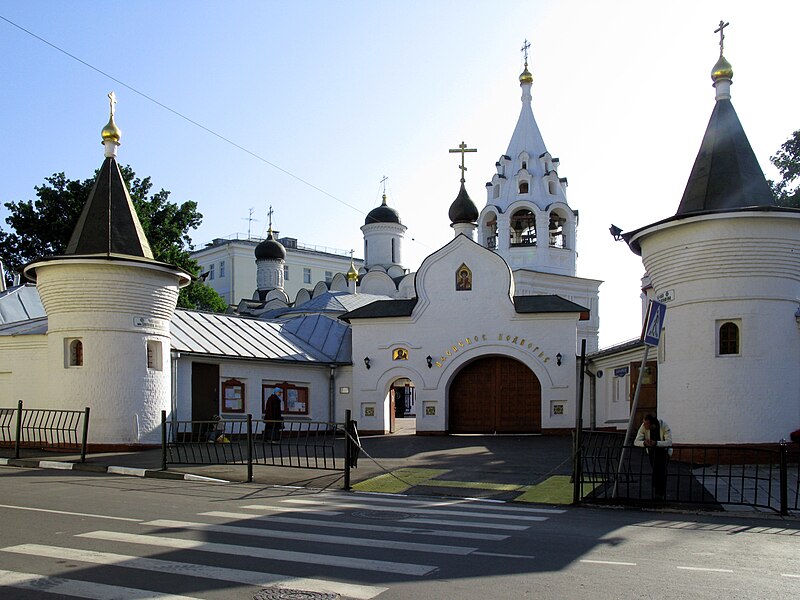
[42, 227]
[787, 161]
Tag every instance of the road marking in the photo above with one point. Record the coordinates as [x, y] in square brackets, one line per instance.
[493, 506]
[283, 509]
[256, 578]
[790, 575]
[462, 524]
[313, 537]
[705, 569]
[424, 511]
[524, 556]
[608, 562]
[269, 553]
[203, 478]
[137, 472]
[356, 526]
[81, 589]
[72, 514]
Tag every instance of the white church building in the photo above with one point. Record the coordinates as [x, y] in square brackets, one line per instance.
[482, 338]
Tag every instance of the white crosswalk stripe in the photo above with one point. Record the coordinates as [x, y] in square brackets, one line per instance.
[257, 578]
[347, 532]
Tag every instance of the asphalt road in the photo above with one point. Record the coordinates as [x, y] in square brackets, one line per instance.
[79, 535]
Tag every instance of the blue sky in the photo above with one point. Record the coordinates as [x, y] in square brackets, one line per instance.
[339, 94]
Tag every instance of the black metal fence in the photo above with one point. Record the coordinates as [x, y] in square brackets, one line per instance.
[44, 428]
[297, 444]
[759, 477]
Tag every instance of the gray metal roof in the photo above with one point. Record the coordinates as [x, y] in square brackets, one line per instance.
[548, 303]
[237, 337]
[29, 327]
[20, 304]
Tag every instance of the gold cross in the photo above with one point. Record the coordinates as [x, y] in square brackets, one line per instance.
[722, 25]
[112, 100]
[462, 148]
[524, 49]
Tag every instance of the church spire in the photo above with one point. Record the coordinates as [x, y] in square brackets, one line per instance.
[726, 174]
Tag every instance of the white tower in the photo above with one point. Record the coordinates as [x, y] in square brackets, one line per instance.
[270, 258]
[526, 219]
[109, 306]
[729, 260]
[383, 240]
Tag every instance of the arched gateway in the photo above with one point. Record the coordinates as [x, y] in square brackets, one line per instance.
[495, 394]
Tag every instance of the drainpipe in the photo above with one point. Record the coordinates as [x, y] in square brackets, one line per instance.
[332, 395]
[174, 356]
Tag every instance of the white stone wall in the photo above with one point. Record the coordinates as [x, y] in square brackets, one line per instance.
[115, 308]
[741, 267]
[379, 239]
[22, 359]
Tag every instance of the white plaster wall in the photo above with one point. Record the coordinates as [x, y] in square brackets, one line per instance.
[378, 244]
[255, 373]
[23, 371]
[455, 328]
[737, 266]
[114, 307]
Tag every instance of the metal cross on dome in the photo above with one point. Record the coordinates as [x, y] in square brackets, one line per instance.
[112, 101]
[462, 148]
[524, 49]
[719, 30]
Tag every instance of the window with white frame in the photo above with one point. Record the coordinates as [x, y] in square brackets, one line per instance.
[74, 352]
[328, 276]
[286, 272]
[728, 337]
[154, 356]
[221, 269]
[211, 272]
[306, 275]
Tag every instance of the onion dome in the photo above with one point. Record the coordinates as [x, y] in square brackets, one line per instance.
[463, 209]
[382, 214]
[722, 70]
[352, 272]
[525, 76]
[111, 133]
[270, 249]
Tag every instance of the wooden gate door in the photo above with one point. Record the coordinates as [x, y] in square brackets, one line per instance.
[205, 391]
[496, 394]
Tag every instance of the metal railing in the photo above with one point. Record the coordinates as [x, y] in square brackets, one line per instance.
[766, 477]
[44, 428]
[297, 444]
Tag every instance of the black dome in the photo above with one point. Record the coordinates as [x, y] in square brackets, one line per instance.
[463, 209]
[270, 249]
[382, 214]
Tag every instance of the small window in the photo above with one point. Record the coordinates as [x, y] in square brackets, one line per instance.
[154, 360]
[221, 269]
[75, 353]
[306, 275]
[496, 191]
[328, 276]
[211, 272]
[728, 339]
[551, 187]
[286, 272]
[525, 165]
[523, 187]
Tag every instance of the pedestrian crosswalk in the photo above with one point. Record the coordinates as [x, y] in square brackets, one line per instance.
[354, 545]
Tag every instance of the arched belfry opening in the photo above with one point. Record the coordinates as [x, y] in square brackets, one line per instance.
[495, 394]
[523, 228]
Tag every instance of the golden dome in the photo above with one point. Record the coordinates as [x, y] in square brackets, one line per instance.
[525, 76]
[111, 132]
[722, 70]
[352, 274]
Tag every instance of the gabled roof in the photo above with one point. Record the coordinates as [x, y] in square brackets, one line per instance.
[382, 308]
[238, 337]
[334, 302]
[108, 223]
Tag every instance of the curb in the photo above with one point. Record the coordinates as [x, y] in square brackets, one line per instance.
[91, 468]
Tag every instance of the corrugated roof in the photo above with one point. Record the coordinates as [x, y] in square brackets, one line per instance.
[330, 336]
[29, 327]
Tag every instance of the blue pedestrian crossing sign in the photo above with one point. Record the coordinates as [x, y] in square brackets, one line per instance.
[651, 332]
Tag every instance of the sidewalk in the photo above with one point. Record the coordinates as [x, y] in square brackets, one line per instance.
[485, 466]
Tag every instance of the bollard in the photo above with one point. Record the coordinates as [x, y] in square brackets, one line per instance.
[85, 434]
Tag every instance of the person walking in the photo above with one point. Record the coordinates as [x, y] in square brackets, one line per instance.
[655, 436]
[273, 419]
